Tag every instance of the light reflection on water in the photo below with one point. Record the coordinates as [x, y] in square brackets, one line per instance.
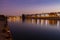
[35, 27]
[41, 22]
[36, 21]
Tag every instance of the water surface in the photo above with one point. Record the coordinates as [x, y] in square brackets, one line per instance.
[35, 29]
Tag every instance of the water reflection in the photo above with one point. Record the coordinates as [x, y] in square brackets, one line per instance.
[52, 22]
[47, 23]
[43, 22]
[55, 24]
[36, 21]
[14, 19]
[28, 20]
[34, 27]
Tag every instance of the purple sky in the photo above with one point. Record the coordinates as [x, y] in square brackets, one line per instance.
[18, 7]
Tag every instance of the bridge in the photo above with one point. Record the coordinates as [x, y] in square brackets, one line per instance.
[53, 15]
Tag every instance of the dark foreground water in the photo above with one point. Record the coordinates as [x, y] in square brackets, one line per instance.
[35, 29]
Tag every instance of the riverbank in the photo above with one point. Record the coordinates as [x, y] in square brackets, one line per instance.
[5, 33]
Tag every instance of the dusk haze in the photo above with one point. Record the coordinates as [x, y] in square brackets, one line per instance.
[19, 7]
[29, 19]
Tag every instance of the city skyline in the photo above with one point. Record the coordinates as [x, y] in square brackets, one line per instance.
[18, 7]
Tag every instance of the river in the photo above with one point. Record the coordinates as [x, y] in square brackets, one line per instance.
[34, 29]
